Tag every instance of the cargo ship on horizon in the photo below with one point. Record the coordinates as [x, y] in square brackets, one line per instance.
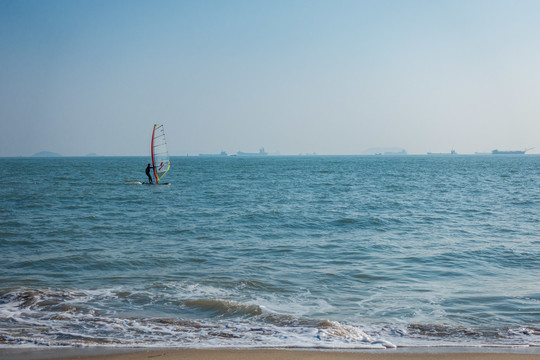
[260, 153]
[512, 152]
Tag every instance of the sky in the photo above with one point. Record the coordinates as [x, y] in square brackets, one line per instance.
[292, 76]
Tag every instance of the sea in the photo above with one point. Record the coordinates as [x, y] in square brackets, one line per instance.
[319, 252]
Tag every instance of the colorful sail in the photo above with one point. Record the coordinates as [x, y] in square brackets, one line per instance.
[160, 155]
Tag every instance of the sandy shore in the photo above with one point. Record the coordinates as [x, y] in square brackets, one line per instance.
[271, 354]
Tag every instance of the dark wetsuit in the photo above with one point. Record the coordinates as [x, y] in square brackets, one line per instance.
[148, 173]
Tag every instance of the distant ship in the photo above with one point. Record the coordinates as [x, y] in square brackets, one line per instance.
[260, 153]
[402, 152]
[512, 152]
[453, 152]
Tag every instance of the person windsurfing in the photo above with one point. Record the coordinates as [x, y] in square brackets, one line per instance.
[148, 173]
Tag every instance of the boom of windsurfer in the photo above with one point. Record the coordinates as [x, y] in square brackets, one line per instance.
[148, 173]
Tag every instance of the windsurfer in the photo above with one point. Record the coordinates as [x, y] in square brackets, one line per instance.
[148, 173]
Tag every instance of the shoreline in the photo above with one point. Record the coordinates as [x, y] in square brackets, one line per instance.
[405, 353]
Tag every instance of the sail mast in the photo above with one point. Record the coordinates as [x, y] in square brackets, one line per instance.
[152, 153]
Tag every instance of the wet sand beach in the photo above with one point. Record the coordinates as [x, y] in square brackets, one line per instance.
[266, 354]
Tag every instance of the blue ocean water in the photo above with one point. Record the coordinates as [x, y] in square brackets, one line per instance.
[317, 252]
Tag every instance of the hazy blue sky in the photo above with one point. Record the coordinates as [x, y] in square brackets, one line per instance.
[332, 77]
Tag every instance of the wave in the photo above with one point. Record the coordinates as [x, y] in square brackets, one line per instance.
[47, 317]
[74, 318]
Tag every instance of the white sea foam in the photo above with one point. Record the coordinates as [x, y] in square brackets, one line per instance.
[34, 322]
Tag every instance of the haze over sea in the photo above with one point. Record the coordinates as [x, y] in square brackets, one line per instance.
[330, 252]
